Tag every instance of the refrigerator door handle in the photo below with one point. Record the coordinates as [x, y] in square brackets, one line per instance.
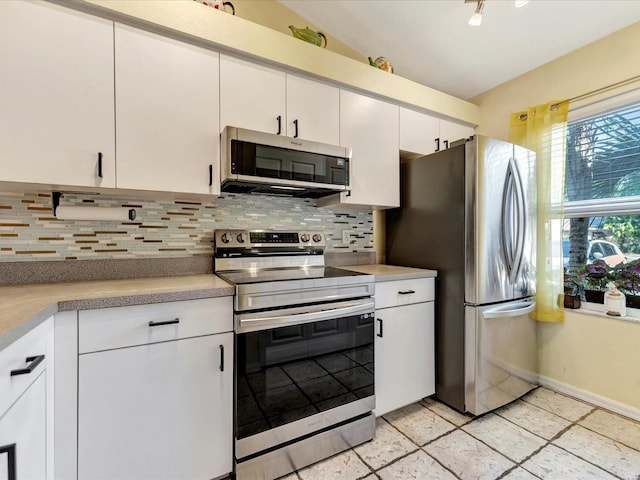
[521, 229]
[521, 308]
[514, 221]
[506, 230]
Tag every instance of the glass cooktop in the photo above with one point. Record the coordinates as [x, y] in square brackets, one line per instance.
[285, 274]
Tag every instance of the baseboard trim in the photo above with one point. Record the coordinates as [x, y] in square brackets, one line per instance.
[590, 397]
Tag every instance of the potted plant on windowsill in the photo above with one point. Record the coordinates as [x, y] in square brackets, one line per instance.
[573, 282]
[593, 279]
[627, 279]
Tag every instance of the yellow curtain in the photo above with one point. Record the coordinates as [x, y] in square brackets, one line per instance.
[543, 129]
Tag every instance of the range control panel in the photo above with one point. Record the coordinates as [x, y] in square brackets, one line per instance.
[267, 238]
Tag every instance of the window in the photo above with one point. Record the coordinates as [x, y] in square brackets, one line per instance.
[602, 187]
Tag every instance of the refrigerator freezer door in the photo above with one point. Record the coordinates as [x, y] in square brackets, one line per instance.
[500, 221]
[500, 354]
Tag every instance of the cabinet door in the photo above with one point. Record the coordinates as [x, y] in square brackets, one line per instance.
[404, 356]
[252, 96]
[56, 96]
[450, 132]
[316, 109]
[418, 132]
[23, 434]
[167, 130]
[370, 128]
[161, 411]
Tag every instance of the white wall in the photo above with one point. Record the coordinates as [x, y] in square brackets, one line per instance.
[597, 354]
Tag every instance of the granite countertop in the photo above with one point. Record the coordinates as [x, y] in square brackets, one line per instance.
[386, 273]
[24, 307]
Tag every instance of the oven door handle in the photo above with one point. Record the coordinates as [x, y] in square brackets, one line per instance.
[296, 316]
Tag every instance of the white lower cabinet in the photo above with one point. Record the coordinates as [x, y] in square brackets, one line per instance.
[161, 409]
[404, 348]
[23, 445]
[25, 406]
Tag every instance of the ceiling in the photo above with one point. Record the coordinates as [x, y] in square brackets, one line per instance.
[430, 42]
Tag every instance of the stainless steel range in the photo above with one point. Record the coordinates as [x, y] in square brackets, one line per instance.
[304, 373]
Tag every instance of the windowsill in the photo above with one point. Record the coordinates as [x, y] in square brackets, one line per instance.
[597, 309]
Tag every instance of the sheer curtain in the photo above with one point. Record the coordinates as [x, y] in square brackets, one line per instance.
[542, 128]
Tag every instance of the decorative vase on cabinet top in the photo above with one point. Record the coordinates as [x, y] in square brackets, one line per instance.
[382, 63]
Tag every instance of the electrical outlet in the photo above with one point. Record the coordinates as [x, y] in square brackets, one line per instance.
[346, 238]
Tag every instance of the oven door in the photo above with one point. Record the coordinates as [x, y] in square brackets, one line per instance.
[301, 370]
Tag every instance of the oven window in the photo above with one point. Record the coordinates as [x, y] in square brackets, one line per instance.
[288, 373]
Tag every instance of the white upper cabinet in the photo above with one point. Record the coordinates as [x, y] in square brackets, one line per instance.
[313, 110]
[450, 132]
[167, 101]
[424, 134]
[418, 132]
[57, 117]
[260, 98]
[370, 128]
[252, 96]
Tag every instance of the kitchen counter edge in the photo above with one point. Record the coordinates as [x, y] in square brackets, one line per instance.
[387, 273]
[24, 307]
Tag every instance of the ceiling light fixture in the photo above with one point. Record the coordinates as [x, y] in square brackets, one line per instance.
[476, 18]
[521, 3]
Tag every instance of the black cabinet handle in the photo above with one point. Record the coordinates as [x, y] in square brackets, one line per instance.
[446, 144]
[166, 322]
[222, 358]
[100, 164]
[10, 450]
[406, 292]
[437, 144]
[380, 331]
[210, 175]
[295, 124]
[279, 117]
[35, 361]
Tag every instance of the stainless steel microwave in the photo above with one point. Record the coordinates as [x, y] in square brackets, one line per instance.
[257, 162]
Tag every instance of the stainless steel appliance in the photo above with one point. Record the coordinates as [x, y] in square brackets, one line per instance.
[258, 162]
[469, 212]
[304, 334]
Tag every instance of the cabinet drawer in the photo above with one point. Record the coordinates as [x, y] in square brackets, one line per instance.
[118, 327]
[404, 292]
[33, 344]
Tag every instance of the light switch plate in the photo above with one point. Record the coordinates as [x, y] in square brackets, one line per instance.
[346, 238]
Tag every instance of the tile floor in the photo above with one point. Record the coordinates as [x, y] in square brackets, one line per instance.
[545, 435]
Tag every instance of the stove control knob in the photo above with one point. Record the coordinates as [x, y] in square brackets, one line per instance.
[240, 238]
[317, 237]
[225, 238]
[304, 237]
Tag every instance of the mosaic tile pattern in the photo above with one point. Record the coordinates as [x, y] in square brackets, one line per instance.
[500, 445]
[29, 231]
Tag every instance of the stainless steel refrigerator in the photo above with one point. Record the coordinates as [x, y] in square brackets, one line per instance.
[469, 212]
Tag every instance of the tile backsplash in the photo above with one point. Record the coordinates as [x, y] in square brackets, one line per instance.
[29, 231]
